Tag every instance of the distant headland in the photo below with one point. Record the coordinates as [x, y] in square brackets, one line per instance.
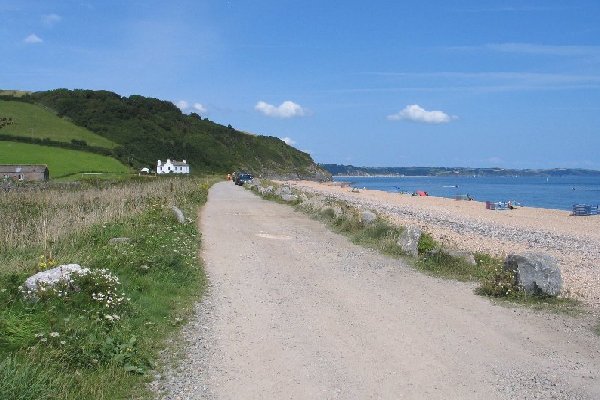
[350, 170]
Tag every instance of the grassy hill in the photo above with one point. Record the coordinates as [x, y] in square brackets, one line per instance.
[138, 131]
[31, 120]
[148, 129]
[61, 162]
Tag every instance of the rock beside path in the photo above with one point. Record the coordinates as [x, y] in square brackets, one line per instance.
[537, 273]
[178, 214]
[119, 240]
[409, 240]
[51, 277]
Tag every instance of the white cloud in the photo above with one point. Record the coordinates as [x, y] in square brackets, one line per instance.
[288, 140]
[50, 20]
[182, 105]
[287, 109]
[416, 113]
[199, 108]
[185, 106]
[33, 39]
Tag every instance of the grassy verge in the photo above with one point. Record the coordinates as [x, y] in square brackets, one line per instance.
[101, 340]
[432, 258]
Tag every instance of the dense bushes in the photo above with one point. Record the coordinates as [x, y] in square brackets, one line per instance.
[148, 129]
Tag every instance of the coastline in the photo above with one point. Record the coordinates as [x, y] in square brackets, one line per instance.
[468, 225]
[557, 194]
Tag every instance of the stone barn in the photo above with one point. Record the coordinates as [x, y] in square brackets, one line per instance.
[24, 172]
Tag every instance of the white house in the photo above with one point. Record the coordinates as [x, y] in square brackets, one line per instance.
[172, 167]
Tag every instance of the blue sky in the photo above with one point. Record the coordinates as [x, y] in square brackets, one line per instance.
[513, 84]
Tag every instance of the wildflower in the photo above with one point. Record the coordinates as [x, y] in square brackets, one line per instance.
[62, 342]
[43, 339]
[54, 334]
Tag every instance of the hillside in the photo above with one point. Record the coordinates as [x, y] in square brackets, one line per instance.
[148, 129]
[350, 170]
[61, 162]
[33, 121]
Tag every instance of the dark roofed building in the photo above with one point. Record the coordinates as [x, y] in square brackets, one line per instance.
[24, 172]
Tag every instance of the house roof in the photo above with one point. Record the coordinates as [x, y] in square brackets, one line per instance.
[25, 168]
[178, 163]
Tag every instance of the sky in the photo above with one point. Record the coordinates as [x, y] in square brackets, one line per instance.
[472, 83]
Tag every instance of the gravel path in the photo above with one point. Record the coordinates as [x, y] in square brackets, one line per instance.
[295, 311]
[573, 241]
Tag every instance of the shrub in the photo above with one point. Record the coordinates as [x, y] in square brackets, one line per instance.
[327, 213]
[426, 243]
[500, 283]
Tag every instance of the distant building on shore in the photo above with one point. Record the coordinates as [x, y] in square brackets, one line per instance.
[172, 167]
[24, 172]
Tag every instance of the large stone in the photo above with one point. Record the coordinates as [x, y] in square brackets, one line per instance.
[281, 190]
[289, 197]
[119, 240]
[50, 278]
[367, 217]
[178, 214]
[408, 241]
[536, 273]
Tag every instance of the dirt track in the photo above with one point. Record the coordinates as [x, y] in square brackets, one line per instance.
[297, 312]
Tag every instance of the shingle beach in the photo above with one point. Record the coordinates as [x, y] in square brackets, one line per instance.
[468, 225]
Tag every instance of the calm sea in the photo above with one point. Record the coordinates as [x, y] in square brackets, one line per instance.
[558, 193]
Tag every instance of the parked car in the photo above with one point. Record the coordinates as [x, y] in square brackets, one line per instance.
[242, 178]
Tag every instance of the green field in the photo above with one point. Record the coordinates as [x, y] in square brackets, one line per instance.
[34, 121]
[61, 162]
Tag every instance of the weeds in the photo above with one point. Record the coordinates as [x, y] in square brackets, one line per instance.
[97, 334]
[45, 214]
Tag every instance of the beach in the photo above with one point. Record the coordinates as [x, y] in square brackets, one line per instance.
[468, 225]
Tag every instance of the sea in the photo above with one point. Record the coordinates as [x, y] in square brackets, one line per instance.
[543, 192]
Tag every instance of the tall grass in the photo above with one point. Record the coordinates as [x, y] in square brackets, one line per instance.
[39, 215]
[71, 347]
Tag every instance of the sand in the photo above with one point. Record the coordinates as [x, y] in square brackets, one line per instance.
[468, 225]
